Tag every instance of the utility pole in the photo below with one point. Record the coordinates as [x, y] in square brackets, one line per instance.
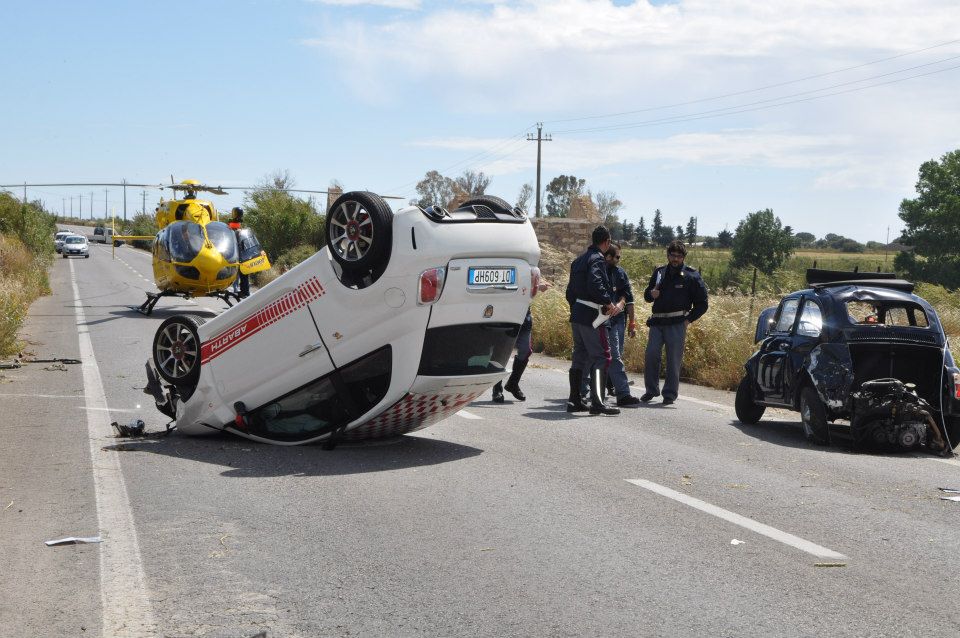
[144, 209]
[80, 208]
[124, 199]
[24, 193]
[539, 138]
[91, 205]
[63, 208]
[106, 212]
[71, 208]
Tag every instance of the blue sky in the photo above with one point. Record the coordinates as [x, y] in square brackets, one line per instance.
[375, 94]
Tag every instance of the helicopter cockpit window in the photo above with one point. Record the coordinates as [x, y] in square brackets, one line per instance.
[160, 249]
[224, 240]
[185, 240]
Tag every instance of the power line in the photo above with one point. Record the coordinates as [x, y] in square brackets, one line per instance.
[734, 110]
[755, 90]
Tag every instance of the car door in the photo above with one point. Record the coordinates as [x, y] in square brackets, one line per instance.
[772, 364]
[804, 338]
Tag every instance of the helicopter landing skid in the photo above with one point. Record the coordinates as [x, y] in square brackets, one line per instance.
[226, 295]
[146, 308]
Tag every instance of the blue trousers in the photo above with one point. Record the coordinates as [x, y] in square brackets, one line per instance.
[616, 330]
[671, 337]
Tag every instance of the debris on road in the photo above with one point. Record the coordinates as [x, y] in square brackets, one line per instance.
[134, 428]
[73, 540]
[9, 505]
[737, 542]
[950, 498]
[829, 564]
[56, 367]
[686, 479]
[949, 490]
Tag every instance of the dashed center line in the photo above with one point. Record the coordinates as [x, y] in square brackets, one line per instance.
[747, 523]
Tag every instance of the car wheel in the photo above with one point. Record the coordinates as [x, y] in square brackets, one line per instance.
[86, 256]
[814, 416]
[360, 232]
[176, 351]
[747, 410]
[495, 204]
[64, 255]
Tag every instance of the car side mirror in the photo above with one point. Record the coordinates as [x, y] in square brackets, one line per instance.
[764, 324]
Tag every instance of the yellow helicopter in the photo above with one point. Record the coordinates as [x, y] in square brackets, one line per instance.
[194, 253]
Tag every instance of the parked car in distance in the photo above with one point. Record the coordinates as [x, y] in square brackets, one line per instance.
[75, 245]
[398, 322]
[102, 234]
[859, 348]
[58, 239]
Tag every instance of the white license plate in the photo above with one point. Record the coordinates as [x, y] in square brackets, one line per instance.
[491, 276]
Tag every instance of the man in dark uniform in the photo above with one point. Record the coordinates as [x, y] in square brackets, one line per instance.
[243, 281]
[679, 298]
[590, 294]
[617, 382]
[524, 347]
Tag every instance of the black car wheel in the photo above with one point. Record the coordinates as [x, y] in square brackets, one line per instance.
[747, 410]
[176, 351]
[814, 416]
[495, 204]
[360, 232]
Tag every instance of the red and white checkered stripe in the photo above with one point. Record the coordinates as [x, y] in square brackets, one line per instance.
[412, 412]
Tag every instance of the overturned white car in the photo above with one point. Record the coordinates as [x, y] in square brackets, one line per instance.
[401, 320]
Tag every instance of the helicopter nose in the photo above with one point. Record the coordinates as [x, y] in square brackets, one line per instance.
[209, 262]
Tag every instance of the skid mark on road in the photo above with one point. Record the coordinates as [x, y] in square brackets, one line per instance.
[123, 590]
[747, 523]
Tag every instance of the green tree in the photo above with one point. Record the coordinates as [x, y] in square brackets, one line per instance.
[143, 224]
[660, 234]
[280, 220]
[761, 242]
[933, 224]
[435, 190]
[725, 239]
[523, 197]
[680, 234]
[560, 194]
[643, 235]
[471, 184]
[29, 222]
[803, 240]
[691, 231]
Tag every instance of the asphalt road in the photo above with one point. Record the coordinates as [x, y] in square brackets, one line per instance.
[504, 520]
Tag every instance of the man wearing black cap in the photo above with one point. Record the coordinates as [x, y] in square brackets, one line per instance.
[591, 300]
[679, 298]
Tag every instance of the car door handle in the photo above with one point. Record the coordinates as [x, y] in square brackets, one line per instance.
[310, 349]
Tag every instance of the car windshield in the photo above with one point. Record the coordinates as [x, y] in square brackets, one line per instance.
[224, 240]
[184, 241]
[897, 313]
[76, 240]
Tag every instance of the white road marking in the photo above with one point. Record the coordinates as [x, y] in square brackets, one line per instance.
[123, 589]
[742, 521]
[703, 402]
[44, 396]
[469, 415]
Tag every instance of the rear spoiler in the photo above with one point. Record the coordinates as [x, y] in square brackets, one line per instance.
[870, 279]
[819, 276]
[475, 213]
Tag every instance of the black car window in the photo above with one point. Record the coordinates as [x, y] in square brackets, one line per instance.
[786, 315]
[887, 313]
[811, 319]
[224, 240]
[479, 348]
[184, 241]
[75, 240]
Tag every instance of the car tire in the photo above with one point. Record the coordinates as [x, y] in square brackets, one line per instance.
[747, 410]
[176, 351]
[86, 256]
[64, 255]
[813, 416]
[359, 230]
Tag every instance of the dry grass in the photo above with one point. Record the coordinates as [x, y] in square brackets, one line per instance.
[23, 278]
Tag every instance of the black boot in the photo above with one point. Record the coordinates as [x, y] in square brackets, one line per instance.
[597, 383]
[513, 383]
[498, 392]
[575, 402]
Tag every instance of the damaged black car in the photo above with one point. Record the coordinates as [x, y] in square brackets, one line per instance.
[863, 359]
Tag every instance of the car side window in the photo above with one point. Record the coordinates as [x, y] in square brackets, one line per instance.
[787, 315]
[811, 319]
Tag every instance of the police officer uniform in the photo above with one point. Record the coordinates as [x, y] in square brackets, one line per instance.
[617, 381]
[588, 291]
[683, 298]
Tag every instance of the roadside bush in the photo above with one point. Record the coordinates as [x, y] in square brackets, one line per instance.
[23, 278]
[30, 223]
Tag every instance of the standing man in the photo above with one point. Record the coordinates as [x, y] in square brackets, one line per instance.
[524, 347]
[679, 298]
[617, 383]
[590, 295]
[236, 223]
